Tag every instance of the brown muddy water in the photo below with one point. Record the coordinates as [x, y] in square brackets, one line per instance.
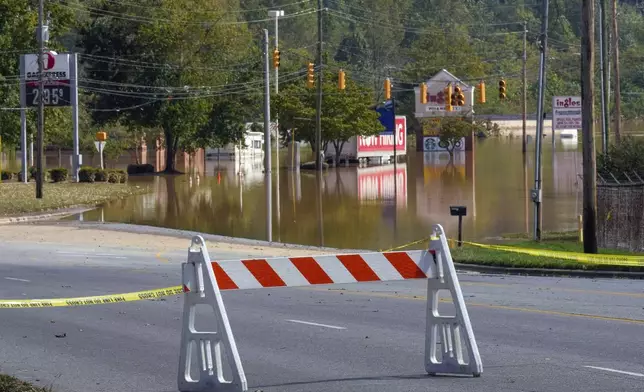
[363, 207]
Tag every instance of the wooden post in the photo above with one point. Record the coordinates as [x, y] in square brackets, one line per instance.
[618, 95]
[587, 125]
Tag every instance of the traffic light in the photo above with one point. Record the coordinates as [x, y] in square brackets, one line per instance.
[341, 84]
[310, 76]
[387, 89]
[502, 89]
[482, 92]
[423, 93]
[459, 97]
[448, 98]
[276, 58]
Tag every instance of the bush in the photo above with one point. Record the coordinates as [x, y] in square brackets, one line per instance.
[113, 177]
[623, 159]
[140, 169]
[116, 176]
[87, 174]
[122, 176]
[6, 175]
[100, 175]
[32, 172]
[58, 174]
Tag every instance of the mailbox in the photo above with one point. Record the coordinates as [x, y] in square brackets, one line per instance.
[458, 210]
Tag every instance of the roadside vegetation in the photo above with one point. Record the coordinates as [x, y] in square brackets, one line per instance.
[12, 384]
[17, 198]
[562, 242]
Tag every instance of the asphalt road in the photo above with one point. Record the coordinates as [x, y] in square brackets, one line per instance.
[534, 334]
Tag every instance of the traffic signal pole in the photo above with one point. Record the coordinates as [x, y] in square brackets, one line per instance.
[267, 140]
[318, 113]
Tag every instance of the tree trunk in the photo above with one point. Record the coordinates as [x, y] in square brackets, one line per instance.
[60, 157]
[170, 152]
[618, 95]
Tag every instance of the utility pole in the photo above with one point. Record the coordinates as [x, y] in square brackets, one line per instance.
[588, 125]
[537, 192]
[525, 87]
[318, 114]
[618, 94]
[40, 175]
[267, 140]
[603, 73]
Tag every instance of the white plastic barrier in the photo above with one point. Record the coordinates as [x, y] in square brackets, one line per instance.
[203, 280]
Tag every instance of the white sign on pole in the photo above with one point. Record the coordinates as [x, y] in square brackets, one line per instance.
[99, 146]
[566, 112]
[55, 66]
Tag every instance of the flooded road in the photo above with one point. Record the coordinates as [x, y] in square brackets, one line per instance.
[365, 207]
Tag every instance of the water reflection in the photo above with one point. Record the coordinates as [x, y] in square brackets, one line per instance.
[364, 207]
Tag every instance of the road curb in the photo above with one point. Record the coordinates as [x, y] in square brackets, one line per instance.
[44, 216]
[177, 233]
[488, 269]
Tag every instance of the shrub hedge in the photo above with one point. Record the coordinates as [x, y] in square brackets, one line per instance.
[140, 169]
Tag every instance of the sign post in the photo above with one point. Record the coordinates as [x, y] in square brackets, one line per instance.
[101, 139]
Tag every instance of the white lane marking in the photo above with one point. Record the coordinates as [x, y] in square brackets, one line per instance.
[104, 255]
[316, 324]
[616, 371]
[18, 279]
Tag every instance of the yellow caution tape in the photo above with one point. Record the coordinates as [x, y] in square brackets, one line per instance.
[97, 300]
[574, 256]
[406, 245]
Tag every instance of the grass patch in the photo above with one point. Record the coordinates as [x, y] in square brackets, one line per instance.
[19, 198]
[498, 258]
[571, 235]
[12, 384]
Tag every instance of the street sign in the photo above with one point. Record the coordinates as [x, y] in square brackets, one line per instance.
[99, 145]
[566, 112]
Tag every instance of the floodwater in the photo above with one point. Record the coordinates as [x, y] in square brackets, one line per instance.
[374, 207]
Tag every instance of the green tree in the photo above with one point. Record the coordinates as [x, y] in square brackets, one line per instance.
[177, 60]
[344, 113]
[452, 130]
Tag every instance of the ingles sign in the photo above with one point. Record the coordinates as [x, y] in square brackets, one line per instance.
[566, 112]
[55, 67]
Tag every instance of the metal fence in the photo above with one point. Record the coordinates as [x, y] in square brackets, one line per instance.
[620, 211]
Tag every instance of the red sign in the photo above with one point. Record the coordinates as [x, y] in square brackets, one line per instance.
[377, 183]
[385, 142]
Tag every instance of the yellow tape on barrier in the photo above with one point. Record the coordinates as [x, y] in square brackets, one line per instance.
[574, 256]
[96, 300]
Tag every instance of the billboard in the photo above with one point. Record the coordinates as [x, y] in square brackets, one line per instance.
[384, 142]
[566, 112]
[381, 183]
[435, 106]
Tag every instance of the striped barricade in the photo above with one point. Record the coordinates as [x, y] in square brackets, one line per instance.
[203, 281]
